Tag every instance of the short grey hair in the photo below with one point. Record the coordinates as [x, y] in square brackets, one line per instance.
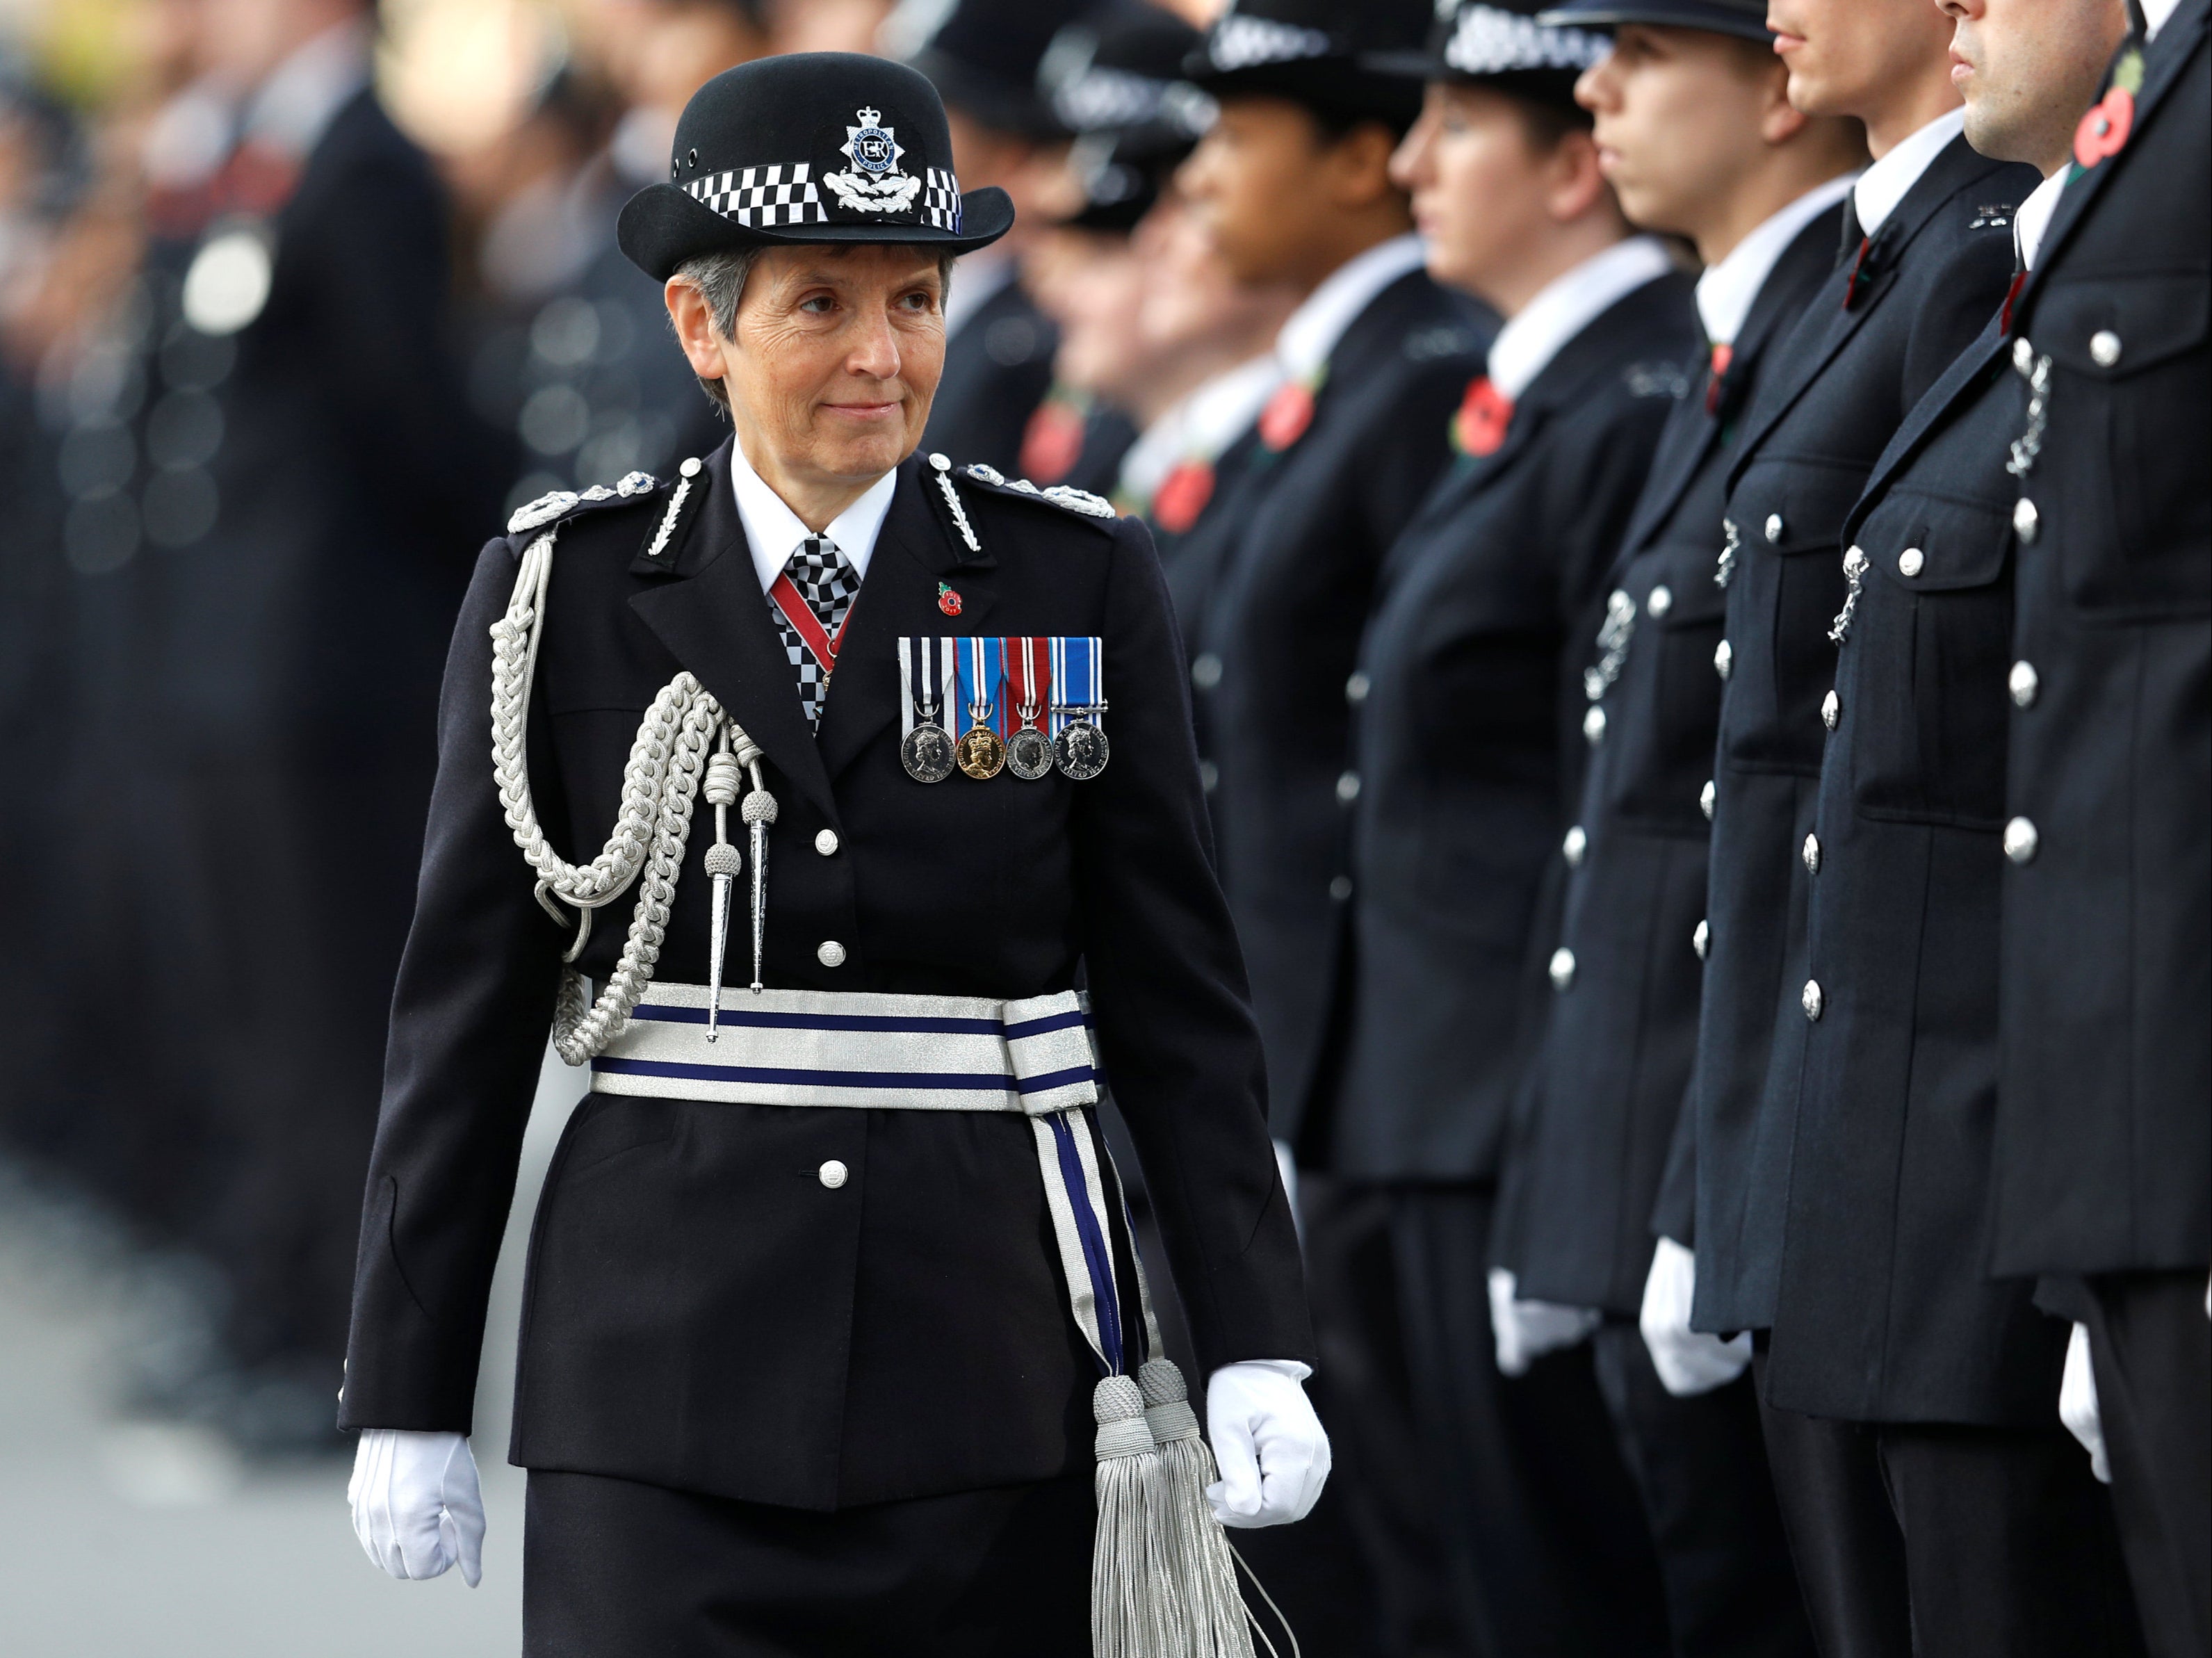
[720, 278]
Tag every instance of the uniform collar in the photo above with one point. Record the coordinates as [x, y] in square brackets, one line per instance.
[773, 531]
[2032, 218]
[1567, 305]
[1884, 185]
[1313, 328]
[1729, 285]
[1202, 425]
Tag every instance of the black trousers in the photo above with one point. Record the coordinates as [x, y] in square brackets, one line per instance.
[2152, 1348]
[1933, 1538]
[1700, 1466]
[615, 1569]
[1495, 1514]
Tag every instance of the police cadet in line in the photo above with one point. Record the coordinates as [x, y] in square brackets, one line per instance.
[1466, 758]
[984, 56]
[827, 1272]
[1696, 133]
[1925, 258]
[1906, 1091]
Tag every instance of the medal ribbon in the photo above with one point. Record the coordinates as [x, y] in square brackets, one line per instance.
[1029, 681]
[927, 681]
[1077, 673]
[982, 672]
[808, 626]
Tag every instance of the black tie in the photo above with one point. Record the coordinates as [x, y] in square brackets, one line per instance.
[1853, 234]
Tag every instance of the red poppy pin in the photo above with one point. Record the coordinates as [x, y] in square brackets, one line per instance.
[2104, 131]
[1286, 416]
[1484, 418]
[1182, 495]
[947, 600]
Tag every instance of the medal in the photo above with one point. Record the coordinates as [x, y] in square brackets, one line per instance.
[926, 750]
[981, 752]
[927, 753]
[1079, 748]
[1028, 751]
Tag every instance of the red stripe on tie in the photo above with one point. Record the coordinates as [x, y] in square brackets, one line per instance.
[812, 634]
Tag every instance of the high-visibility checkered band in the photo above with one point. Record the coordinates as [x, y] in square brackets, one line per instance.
[940, 199]
[1490, 41]
[1240, 42]
[762, 196]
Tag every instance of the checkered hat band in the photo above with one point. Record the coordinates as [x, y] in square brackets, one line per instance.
[762, 196]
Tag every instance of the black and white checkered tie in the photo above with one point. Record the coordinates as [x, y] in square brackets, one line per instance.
[827, 581]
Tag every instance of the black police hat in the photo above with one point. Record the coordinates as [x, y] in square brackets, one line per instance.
[1501, 44]
[813, 147]
[1315, 53]
[982, 58]
[1116, 81]
[1745, 19]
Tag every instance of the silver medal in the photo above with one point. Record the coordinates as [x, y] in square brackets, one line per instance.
[1080, 751]
[927, 753]
[1029, 754]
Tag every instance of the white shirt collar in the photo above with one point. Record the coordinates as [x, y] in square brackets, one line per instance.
[1884, 185]
[976, 279]
[1729, 287]
[2032, 218]
[1566, 305]
[1200, 425]
[304, 92]
[773, 532]
[2155, 12]
[1305, 341]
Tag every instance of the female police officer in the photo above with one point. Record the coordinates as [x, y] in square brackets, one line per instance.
[828, 1265]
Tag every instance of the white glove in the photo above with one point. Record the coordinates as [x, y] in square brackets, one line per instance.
[1271, 1447]
[1527, 1330]
[1689, 1362]
[2077, 1403]
[417, 1506]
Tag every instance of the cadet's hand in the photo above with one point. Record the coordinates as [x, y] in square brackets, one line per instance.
[2077, 1403]
[417, 1507]
[1526, 1330]
[1274, 1454]
[1689, 1362]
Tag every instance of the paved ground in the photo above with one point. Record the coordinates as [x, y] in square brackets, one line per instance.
[123, 1541]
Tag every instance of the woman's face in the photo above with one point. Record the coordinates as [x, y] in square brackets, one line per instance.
[836, 355]
[1480, 187]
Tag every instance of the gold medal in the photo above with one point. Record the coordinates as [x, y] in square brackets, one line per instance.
[980, 753]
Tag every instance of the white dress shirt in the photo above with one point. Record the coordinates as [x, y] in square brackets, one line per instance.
[773, 532]
[1568, 304]
[1305, 341]
[2032, 216]
[1884, 185]
[2155, 12]
[1730, 286]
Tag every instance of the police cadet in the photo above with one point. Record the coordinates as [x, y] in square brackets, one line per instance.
[984, 56]
[1926, 254]
[2103, 1145]
[827, 1269]
[1935, 1386]
[1696, 133]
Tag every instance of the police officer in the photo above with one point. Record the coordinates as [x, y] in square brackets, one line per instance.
[818, 1321]
[1698, 138]
[2103, 1165]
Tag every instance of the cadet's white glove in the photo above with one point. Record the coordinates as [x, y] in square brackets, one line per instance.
[2077, 1403]
[1527, 1330]
[1689, 1362]
[1272, 1451]
[417, 1507]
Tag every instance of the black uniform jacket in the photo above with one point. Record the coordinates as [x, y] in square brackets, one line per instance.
[1623, 1027]
[998, 367]
[701, 1312]
[1309, 526]
[1877, 334]
[2104, 1134]
[1885, 1312]
[1469, 750]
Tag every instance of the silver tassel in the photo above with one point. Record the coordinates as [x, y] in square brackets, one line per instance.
[760, 813]
[1206, 1603]
[1131, 1616]
[720, 788]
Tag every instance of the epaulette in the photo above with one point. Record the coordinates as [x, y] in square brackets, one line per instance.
[1995, 215]
[552, 508]
[1654, 379]
[1080, 501]
[1436, 341]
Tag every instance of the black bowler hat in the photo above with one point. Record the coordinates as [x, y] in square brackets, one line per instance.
[1116, 81]
[1315, 53]
[1503, 44]
[983, 57]
[1745, 19]
[813, 146]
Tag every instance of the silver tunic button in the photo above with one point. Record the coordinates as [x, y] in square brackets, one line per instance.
[1702, 939]
[1574, 846]
[1812, 1000]
[1812, 854]
[2026, 520]
[1562, 968]
[1593, 726]
[1911, 563]
[1339, 887]
[1205, 670]
[1773, 527]
[1347, 787]
[2103, 347]
[1723, 658]
[690, 468]
[1209, 775]
[1658, 602]
[833, 1174]
[941, 463]
[2023, 355]
[2022, 683]
[825, 842]
[1832, 708]
[830, 953]
[1706, 797]
[1356, 689]
[2019, 840]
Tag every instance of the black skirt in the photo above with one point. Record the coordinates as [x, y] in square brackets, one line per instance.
[617, 1569]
